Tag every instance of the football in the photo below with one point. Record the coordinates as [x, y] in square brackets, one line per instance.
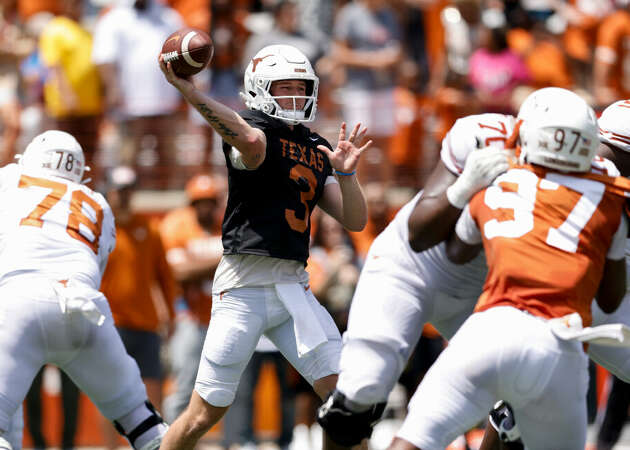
[188, 50]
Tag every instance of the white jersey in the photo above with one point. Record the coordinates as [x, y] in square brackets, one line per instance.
[432, 265]
[54, 227]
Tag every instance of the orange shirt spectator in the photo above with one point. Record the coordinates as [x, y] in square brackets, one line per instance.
[196, 13]
[136, 267]
[379, 217]
[544, 59]
[612, 58]
[28, 8]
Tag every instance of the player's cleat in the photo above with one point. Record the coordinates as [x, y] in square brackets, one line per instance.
[344, 426]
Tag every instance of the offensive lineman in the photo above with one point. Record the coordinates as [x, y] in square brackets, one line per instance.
[400, 290]
[278, 171]
[56, 235]
[427, 286]
[554, 239]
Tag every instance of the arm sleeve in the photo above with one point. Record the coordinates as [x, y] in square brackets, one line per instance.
[617, 248]
[466, 228]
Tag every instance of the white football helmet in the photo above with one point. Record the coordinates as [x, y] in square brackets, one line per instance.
[55, 153]
[614, 125]
[559, 130]
[280, 62]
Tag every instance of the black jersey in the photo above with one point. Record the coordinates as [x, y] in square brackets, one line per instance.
[269, 209]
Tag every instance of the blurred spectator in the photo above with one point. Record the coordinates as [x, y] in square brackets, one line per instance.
[333, 267]
[192, 238]
[224, 79]
[139, 285]
[538, 10]
[229, 36]
[544, 56]
[494, 69]
[127, 40]
[583, 19]
[378, 218]
[72, 91]
[32, 79]
[14, 45]
[367, 43]
[195, 13]
[461, 21]
[238, 422]
[285, 31]
[29, 8]
[70, 405]
[611, 68]
[449, 86]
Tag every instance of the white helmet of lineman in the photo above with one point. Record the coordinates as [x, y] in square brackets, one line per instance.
[614, 125]
[280, 62]
[55, 153]
[559, 130]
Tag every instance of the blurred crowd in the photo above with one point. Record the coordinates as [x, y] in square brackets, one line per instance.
[406, 69]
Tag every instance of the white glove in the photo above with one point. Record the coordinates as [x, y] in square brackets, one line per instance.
[482, 166]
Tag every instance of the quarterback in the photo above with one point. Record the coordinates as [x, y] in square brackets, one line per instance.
[55, 237]
[278, 171]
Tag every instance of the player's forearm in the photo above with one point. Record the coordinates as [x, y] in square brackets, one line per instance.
[230, 126]
[431, 222]
[354, 206]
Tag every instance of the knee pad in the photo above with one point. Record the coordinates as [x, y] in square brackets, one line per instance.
[368, 370]
[345, 426]
[502, 419]
[147, 430]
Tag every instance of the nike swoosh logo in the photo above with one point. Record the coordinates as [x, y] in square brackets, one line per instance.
[314, 139]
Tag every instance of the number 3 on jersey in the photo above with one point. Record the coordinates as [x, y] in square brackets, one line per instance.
[296, 172]
[566, 236]
[76, 216]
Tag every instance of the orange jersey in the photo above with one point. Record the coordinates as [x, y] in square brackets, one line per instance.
[613, 47]
[546, 236]
[136, 267]
[180, 229]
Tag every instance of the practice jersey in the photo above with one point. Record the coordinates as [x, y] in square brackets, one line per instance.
[546, 236]
[268, 211]
[432, 265]
[53, 226]
[474, 132]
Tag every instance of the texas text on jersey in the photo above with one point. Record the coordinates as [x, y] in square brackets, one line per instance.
[268, 209]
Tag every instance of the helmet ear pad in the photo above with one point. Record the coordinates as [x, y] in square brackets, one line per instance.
[275, 63]
[55, 153]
